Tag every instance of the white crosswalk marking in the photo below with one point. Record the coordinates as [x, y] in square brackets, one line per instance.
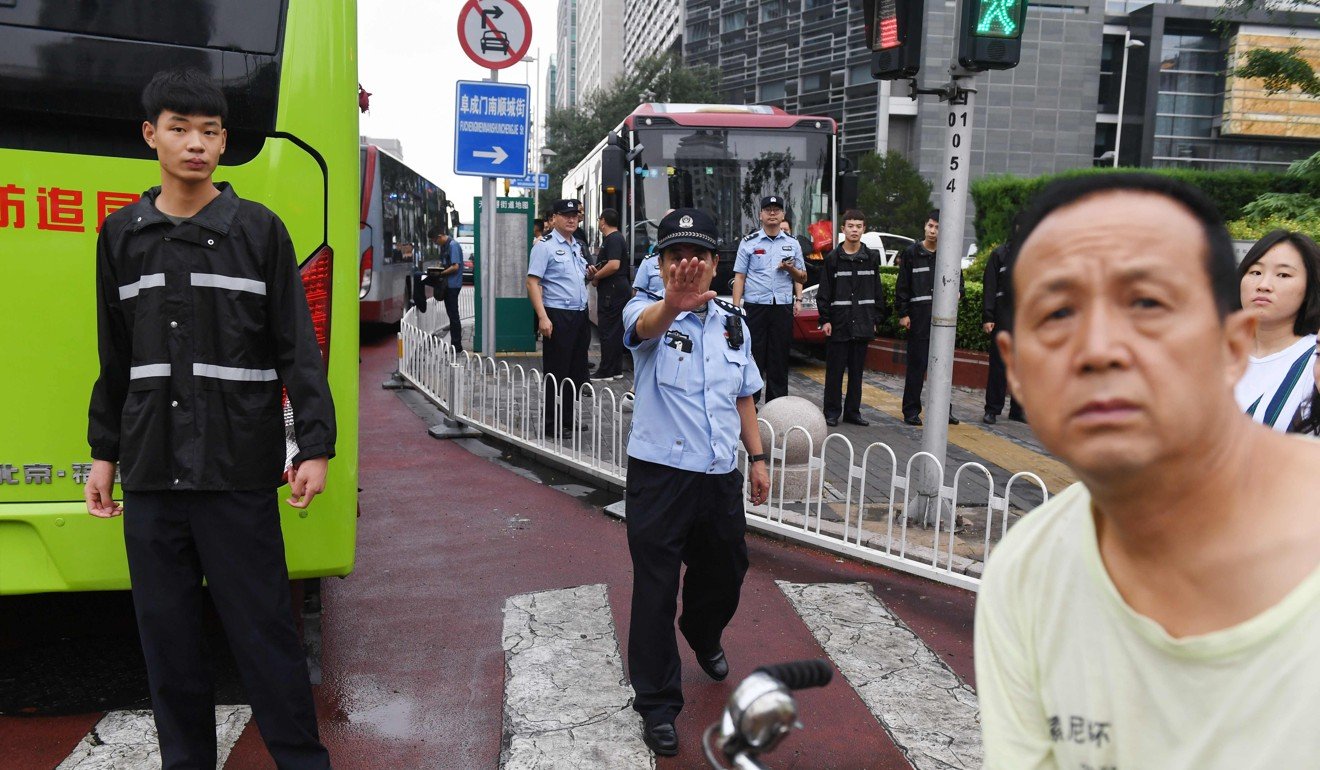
[566, 703]
[930, 713]
[126, 740]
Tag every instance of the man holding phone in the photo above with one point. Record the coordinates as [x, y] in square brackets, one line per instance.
[769, 272]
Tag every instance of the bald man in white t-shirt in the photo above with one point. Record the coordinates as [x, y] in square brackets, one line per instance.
[1165, 612]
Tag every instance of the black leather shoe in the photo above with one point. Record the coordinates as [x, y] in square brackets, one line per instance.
[661, 738]
[954, 420]
[856, 419]
[715, 665]
[989, 418]
[831, 421]
[912, 420]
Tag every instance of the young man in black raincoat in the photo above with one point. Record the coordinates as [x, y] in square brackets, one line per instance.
[851, 302]
[201, 323]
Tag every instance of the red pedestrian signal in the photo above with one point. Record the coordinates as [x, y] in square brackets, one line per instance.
[893, 33]
[990, 36]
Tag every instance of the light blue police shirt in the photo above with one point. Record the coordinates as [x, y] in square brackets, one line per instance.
[758, 258]
[685, 414]
[648, 276]
[559, 263]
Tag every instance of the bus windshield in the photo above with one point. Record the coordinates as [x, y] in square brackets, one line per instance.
[726, 172]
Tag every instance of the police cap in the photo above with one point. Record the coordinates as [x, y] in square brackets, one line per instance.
[567, 206]
[692, 226]
[772, 201]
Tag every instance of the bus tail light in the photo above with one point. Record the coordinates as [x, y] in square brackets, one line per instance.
[317, 278]
[365, 276]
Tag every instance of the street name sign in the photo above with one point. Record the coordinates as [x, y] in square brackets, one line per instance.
[494, 33]
[491, 129]
[532, 182]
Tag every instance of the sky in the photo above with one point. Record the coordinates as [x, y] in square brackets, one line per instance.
[410, 59]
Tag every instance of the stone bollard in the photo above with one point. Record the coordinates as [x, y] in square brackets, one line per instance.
[784, 414]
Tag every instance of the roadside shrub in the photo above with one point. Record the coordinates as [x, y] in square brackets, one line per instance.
[969, 335]
[998, 198]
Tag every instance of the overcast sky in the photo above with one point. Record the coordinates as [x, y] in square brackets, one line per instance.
[409, 59]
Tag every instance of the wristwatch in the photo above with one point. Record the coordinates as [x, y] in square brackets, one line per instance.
[759, 458]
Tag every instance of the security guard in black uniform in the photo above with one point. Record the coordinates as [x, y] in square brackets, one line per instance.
[694, 379]
[913, 295]
[997, 317]
[851, 302]
[201, 318]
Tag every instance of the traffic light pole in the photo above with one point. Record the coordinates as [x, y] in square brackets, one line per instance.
[960, 95]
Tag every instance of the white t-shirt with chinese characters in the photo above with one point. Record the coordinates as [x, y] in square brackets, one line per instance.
[1265, 376]
[1071, 678]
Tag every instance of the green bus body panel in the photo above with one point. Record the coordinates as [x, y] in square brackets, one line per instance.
[48, 542]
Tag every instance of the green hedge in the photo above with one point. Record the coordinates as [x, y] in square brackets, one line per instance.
[969, 337]
[997, 198]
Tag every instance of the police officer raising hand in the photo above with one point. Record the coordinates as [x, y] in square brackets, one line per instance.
[694, 380]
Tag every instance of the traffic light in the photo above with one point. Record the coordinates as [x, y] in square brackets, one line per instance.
[893, 33]
[990, 37]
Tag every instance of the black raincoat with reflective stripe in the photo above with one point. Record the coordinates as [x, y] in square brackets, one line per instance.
[915, 287]
[851, 298]
[199, 325]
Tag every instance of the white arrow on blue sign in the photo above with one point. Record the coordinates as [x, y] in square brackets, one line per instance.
[491, 129]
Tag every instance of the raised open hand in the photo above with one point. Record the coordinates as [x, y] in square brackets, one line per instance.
[686, 287]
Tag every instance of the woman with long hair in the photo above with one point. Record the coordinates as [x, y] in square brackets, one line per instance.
[1307, 421]
[1280, 283]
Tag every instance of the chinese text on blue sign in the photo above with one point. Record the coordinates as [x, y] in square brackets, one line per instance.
[491, 127]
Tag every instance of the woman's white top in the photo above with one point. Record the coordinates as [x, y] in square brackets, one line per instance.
[1265, 384]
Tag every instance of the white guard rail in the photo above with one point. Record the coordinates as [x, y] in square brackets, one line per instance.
[854, 504]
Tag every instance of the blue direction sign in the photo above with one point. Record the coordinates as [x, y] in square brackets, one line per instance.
[491, 128]
[532, 182]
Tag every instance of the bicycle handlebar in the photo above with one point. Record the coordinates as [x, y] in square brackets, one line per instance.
[800, 674]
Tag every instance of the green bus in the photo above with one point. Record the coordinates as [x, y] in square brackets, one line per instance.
[71, 152]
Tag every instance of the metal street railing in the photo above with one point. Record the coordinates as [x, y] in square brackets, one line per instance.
[846, 500]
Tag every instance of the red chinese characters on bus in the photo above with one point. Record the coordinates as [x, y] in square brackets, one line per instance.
[108, 203]
[59, 209]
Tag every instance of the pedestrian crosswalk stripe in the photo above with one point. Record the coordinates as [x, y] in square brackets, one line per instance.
[928, 711]
[126, 740]
[566, 702]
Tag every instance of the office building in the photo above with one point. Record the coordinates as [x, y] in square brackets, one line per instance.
[565, 91]
[650, 28]
[599, 44]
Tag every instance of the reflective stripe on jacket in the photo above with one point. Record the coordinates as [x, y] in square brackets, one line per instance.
[199, 325]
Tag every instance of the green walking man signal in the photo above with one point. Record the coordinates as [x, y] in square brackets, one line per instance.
[990, 36]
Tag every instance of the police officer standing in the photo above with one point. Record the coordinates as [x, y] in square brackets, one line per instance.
[557, 275]
[913, 294]
[767, 282]
[694, 382]
[851, 301]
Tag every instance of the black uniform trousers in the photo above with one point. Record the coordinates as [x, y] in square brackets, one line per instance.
[455, 323]
[609, 319]
[996, 384]
[771, 327]
[841, 355]
[918, 357]
[564, 354]
[173, 539]
[678, 517]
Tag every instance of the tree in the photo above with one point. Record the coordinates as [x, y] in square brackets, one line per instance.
[893, 195]
[1281, 70]
[573, 132]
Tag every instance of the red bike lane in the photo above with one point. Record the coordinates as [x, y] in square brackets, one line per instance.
[413, 660]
